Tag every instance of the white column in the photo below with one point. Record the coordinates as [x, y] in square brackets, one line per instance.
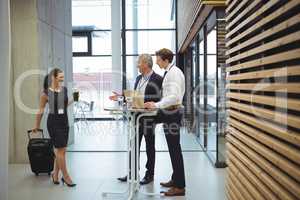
[4, 100]
[116, 45]
[135, 37]
[69, 63]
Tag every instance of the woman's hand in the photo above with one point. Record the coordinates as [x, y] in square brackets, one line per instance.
[39, 115]
[36, 129]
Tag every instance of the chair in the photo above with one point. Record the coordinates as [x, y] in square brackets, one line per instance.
[82, 110]
[86, 109]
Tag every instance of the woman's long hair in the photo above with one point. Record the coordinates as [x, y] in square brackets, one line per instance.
[48, 78]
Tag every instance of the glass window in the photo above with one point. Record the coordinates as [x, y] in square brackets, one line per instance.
[211, 80]
[138, 42]
[201, 87]
[80, 44]
[93, 77]
[101, 42]
[211, 122]
[131, 71]
[212, 93]
[151, 14]
[201, 72]
[145, 20]
[94, 14]
[212, 42]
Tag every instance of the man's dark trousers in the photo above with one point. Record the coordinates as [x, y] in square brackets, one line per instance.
[171, 120]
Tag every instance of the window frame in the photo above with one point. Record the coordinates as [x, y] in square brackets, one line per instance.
[83, 33]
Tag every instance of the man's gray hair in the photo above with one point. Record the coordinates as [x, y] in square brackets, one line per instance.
[146, 58]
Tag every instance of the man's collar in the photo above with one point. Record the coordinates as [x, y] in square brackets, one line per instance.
[169, 67]
[146, 76]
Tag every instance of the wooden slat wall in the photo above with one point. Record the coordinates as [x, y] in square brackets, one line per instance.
[263, 99]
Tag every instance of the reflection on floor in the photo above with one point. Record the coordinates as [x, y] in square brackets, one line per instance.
[97, 172]
[112, 136]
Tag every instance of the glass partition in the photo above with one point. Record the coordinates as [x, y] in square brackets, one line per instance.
[210, 89]
[211, 96]
[149, 26]
[201, 87]
[151, 14]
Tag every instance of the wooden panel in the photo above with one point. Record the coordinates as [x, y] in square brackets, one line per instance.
[278, 72]
[281, 102]
[275, 130]
[236, 193]
[235, 10]
[279, 117]
[240, 185]
[242, 162]
[214, 2]
[276, 58]
[268, 87]
[267, 46]
[281, 26]
[284, 164]
[253, 178]
[263, 96]
[241, 13]
[284, 149]
[236, 173]
[254, 15]
[230, 194]
[284, 9]
[268, 170]
[231, 5]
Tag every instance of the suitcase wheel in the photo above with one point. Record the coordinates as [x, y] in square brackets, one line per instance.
[49, 173]
[37, 174]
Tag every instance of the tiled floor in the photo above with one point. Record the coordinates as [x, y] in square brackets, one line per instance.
[112, 136]
[97, 172]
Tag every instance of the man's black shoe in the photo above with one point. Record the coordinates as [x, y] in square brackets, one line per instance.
[123, 179]
[146, 180]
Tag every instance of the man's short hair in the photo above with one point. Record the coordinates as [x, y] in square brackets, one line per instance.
[146, 58]
[165, 54]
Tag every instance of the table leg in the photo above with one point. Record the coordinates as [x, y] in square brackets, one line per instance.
[129, 150]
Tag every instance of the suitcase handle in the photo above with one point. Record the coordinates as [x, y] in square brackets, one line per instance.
[39, 130]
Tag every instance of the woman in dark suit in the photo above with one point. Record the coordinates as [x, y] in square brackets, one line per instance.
[56, 95]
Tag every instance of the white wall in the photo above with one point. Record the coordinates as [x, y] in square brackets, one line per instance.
[41, 40]
[54, 22]
[4, 100]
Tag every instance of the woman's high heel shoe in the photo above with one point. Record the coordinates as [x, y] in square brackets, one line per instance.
[54, 182]
[68, 184]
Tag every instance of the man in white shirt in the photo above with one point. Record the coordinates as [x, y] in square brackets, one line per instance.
[170, 114]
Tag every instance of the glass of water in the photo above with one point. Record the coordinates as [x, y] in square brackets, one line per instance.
[129, 102]
[120, 101]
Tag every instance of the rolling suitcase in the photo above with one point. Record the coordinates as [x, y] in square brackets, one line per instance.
[40, 153]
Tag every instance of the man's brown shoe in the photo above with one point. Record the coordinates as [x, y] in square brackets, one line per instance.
[174, 191]
[168, 184]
